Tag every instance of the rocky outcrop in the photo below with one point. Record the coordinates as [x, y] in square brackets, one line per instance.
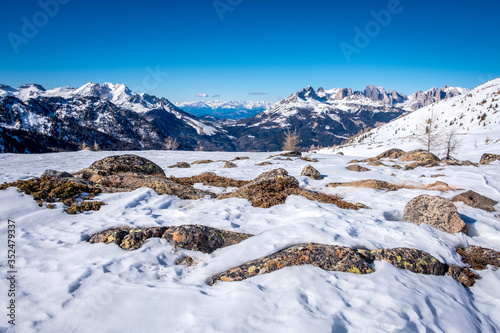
[435, 211]
[327, 257]
[189, 237]
[210, 179]
[489, 158]
[357, 168]
[413, 260]
[311, 172]
[368, 183]
[476, 200]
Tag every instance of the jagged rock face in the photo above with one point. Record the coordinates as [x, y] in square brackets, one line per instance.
[311, 172]
[435, 211]
[476, 200]
[488, 158]
[421, 98]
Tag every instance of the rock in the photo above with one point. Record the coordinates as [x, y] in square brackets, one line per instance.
[419, 155]
[203, 162]
[125, 163]
[367, 183]
[357, 168]
[340, 153]
[428, 164]
[113, 235]
[84, 206]
[130, 181]
[476, 200]
[202, 238]
[136, 237]
[291, 154]
[464, 275]
[376, 163]
[239, 158]
[229, 164]
[391, 153]
[209, 179]
[438, 212]
[311, 172]
[182, 165]
[327, 257]
[488, 158]
[273, 176]
[455, 162]
[309, 159]
[56, 174]
[479, 257]
[264, 163]
[413, 260]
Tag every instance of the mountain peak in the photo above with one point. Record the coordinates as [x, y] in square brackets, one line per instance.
[32, 86]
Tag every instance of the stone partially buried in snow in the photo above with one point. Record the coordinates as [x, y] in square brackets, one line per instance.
[435, 211]
[357, 168]
[56, 174]
[488, 158]
[419, 155]
[182, 165]
[311, 172]
[476, 200]
[411, 259]
[126, 163]
[230, 164]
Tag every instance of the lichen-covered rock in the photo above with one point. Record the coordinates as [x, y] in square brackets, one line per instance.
[311, 172]
[479, 257]
[136, 237]
[327, 257]
[435, 211]
[125, 163]
[130, 181]
[427, 164]
[182, 165]
[413, 260]
[391, 153]
[455, 162]
[229, 164]
[263, 163]
[202, 162]
[357, 168]
[56, 174]
[419, 155]
[84, 206]
[476, 200]
[113, 235]
[202, 238]
[464, 275]
[209, 179]
[488, 158]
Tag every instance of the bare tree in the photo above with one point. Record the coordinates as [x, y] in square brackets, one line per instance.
[429, 134]
[451, 143]
[171, 143]
[291, 142]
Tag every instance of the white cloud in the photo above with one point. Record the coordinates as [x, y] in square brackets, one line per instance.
[202, 95]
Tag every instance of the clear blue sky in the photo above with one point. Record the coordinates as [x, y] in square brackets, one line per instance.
[273, 47]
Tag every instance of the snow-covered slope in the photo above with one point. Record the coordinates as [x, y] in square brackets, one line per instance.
[66, 284]
[474, 117]
[225, 109]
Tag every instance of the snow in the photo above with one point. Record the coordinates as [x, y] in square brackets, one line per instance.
[68, 285]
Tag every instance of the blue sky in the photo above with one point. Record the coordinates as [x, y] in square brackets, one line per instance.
[249, 49]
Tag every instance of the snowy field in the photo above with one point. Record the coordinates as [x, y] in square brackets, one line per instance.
[65, 284]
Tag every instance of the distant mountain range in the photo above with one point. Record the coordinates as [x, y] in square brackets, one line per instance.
[112, 117]
[224, 109]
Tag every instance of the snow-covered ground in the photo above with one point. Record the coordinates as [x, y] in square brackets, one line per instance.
[65, 284]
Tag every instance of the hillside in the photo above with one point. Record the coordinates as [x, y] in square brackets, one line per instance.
[474, 117]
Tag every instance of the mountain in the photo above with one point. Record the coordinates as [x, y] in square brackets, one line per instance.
[325, 117]
[109, 115]
[473, 117]
[224, 109]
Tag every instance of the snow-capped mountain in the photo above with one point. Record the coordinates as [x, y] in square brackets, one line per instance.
[110, 115]
[224, 109]
[473, 117]
[328, 117]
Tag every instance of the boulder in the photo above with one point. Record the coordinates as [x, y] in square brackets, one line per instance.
[476, 200]
[311, 172]
[464, 275]
[113, 235]
[202, 162]
[229, 164]
[479, 257]
[56, 174]
[125, 163]
[438, 212]
[391, 153]
[419, 155]
[488, 158]
[357, 168]
[136, 237]
[182, 165]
